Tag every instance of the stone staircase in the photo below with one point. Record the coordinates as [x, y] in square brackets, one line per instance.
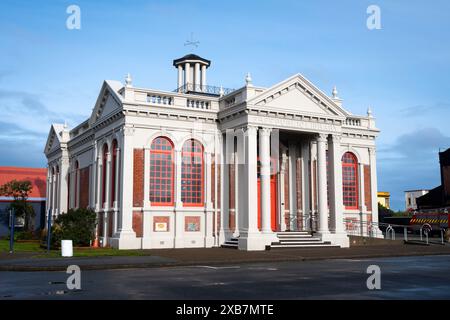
[232, 243]
[300, 239]
[289, 239]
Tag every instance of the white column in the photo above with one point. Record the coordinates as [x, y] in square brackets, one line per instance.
[306, 180]
[106, 205]
[250, 237]
[203, 76]
[336, 198]
[208, 182]
[292, 186]
[126, 235]
[116, 189]
[187, 71]
[374, 190]
[237, 169]
[264, 157]
[180, 76]
[197, 76]
[322, 184]
[224, 193]
[362, 204]
[64, 185]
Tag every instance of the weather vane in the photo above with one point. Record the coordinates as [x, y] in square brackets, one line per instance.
[192, 42]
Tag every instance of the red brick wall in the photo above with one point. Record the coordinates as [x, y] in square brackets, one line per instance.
[110, 224]
[137, 223]
[138, 178]
[84, 188]
[367, 188]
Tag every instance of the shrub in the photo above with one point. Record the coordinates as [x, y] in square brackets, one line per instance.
[77, 225]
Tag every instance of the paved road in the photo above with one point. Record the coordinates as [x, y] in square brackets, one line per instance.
[401, 278]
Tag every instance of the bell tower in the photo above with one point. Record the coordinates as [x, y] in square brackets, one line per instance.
[191, 73]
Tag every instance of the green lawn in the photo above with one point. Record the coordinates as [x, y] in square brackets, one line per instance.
[34, 247]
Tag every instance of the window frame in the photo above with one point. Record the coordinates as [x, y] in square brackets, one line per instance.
[170, 152]
[190, 154]
[355, 183]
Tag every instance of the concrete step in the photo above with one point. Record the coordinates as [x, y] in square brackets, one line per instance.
[319, 245]
[294, 233]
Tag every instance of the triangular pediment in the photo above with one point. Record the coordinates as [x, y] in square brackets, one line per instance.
[107, 102]
[299, 95]
[53, 139]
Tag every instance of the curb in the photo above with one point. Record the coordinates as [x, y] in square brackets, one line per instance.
[18, 268]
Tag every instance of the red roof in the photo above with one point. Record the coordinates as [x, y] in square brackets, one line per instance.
[37, 176]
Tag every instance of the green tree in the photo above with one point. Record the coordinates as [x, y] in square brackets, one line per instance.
[19, 190]
[77, 225]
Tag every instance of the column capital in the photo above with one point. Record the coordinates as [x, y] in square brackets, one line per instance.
[335, 137]
[250, 130]
[321, 137]
[264, 131]
[372, 151]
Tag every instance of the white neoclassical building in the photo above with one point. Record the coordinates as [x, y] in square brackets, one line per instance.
[204, 166]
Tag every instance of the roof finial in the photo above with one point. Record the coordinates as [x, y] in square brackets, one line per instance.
[128, 81]
[369, 112]
[248, 79]
[65, 124]
[221, 91]
[335, 93]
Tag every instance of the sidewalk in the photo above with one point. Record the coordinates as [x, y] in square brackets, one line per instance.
[211, 257]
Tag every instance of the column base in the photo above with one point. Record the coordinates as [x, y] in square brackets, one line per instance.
[338, 239]
[125, 240]
[252, 242]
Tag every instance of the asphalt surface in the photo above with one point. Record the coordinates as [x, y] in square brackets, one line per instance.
[420, 277]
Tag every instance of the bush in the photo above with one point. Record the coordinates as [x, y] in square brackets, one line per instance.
[23, 235]
[77, 225]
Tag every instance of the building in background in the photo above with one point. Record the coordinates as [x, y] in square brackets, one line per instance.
[37, 196]
[384, 199]
[439, 197]
[411, 196]
[204, 166]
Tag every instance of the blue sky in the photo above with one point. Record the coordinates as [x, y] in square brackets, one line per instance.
[51, 74]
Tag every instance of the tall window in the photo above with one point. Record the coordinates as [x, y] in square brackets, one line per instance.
[161, 172]
[192, 173]
[105, 159]
[113, 172]
[350, 180]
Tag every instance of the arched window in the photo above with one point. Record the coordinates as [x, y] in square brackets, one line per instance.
[104, 161]
[350, 180]
[113, 171]
[192, 173]
[161, 172]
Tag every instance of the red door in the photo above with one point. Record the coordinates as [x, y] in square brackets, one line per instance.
[273, 202]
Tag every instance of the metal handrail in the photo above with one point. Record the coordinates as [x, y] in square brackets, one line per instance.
[203, 89]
